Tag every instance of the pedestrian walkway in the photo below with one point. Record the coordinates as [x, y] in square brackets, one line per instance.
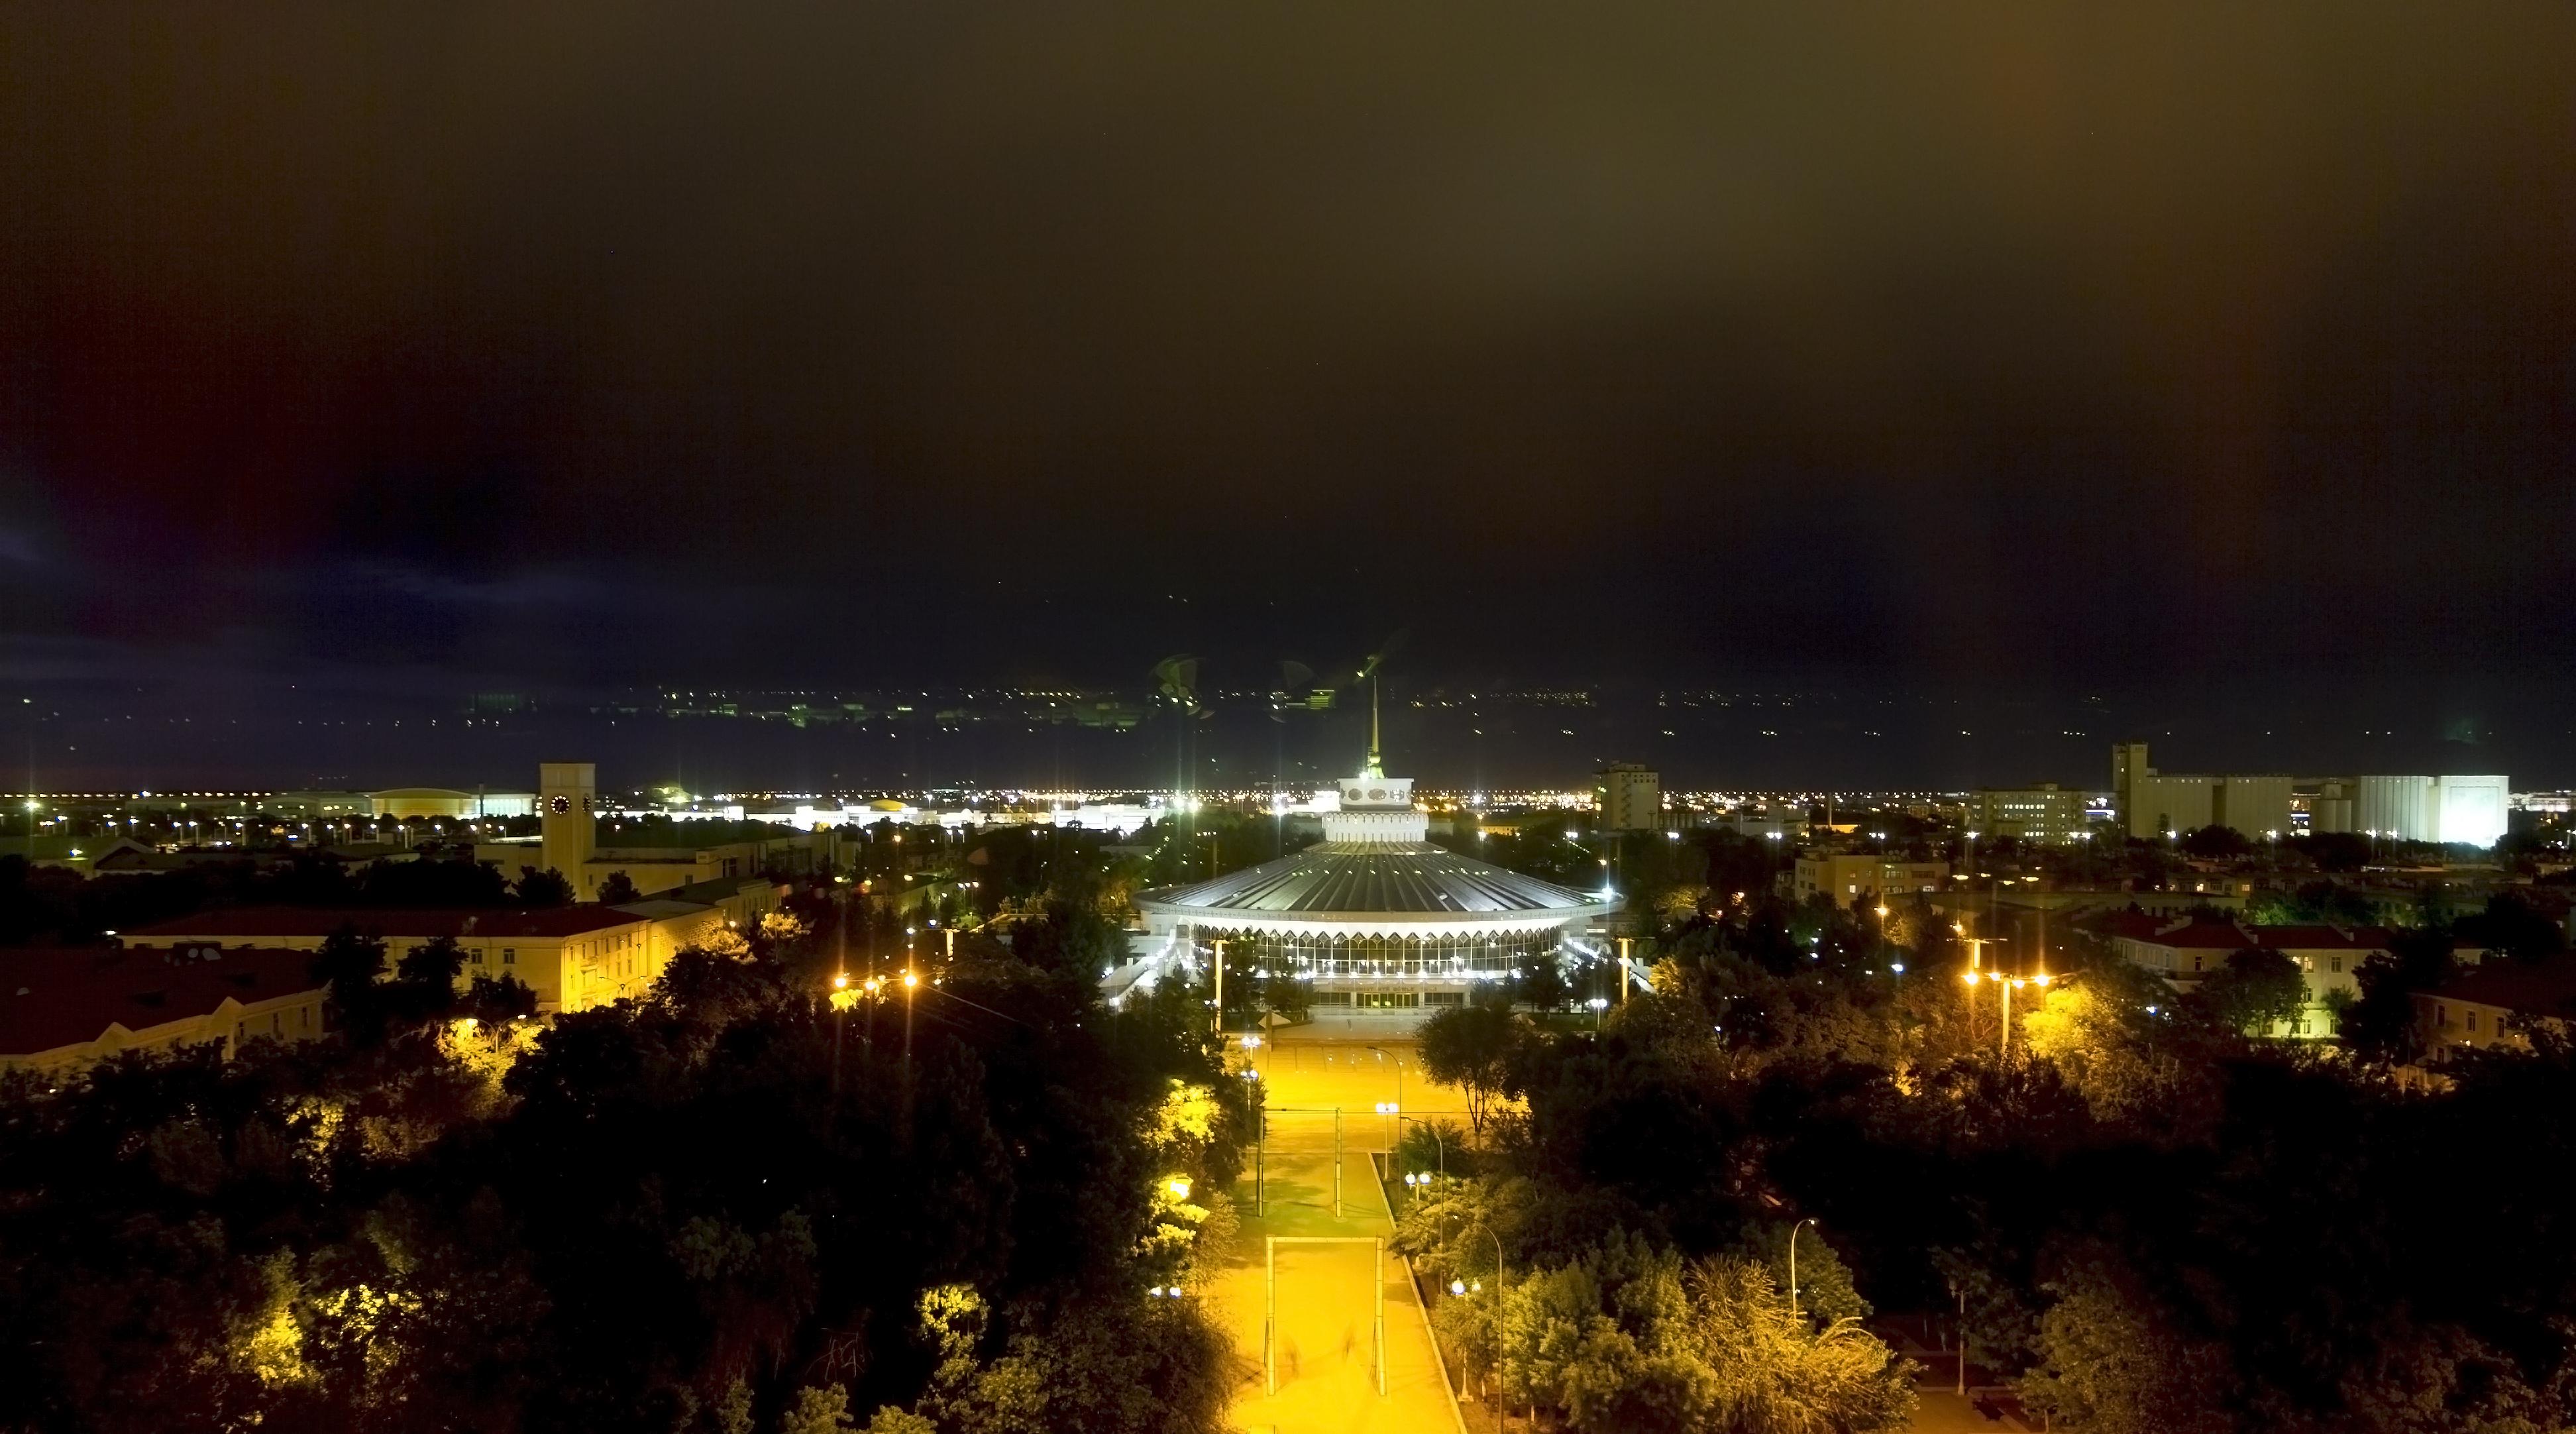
[1945, 1412]
[1328, 1295]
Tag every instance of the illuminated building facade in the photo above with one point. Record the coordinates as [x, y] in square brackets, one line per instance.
[2153, 803]
[2044, 813]
[568, 810]
[1375, 916]
[1630, 799]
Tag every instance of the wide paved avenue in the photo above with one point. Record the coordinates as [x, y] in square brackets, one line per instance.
[1327, 1293]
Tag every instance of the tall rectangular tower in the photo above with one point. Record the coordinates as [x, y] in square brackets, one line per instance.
[1630, 798]
[566, 794]
[2129, 773]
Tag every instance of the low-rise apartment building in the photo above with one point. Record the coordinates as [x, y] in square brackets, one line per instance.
[2186, 951]
[63, 1009]
[1845, 878]
[2044, 813]
[2496, 1004]
[572, 957]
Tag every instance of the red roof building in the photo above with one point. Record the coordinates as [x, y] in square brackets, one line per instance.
[573, 957]
[2498, 1003]
[61, 1008]
[2184, 951]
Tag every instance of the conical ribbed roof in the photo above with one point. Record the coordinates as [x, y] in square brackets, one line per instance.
[1363, 879]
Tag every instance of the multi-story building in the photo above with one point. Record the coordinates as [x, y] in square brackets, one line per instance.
[1761, 823]
[73, 1007]
[1846, 877]
[2044, 813]
[567, 809]
[572, 957]
[2186, 951]
[2469, 809]
[2151, 803]
[1631, 798]
[2498, 1004]
[403, 803]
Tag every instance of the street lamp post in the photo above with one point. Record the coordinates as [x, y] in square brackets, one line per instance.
[2007, 985]
[1397, 1106]
[1498, 1249]
[1257, 1108]
[1793, 1264]
[1962, 1292]
[911, 985]
[840, 1024]
[1459, 1287]
[1219, 944]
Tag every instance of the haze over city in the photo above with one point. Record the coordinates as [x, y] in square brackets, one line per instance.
[2211, 364]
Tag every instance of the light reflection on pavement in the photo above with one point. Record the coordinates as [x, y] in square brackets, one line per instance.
[1324, 1293]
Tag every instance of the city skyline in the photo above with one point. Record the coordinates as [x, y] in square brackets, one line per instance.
[1128, 736]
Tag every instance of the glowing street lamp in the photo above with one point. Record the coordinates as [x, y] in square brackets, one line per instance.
[1793, 1264]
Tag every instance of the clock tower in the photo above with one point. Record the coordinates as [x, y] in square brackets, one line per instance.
[566, 794]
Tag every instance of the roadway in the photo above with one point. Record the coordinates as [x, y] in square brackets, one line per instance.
[1328, 1293]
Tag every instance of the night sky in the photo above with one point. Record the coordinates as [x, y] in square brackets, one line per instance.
[2207, 356]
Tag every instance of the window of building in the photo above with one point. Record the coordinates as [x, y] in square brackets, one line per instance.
[477, 955]
[509, 955]
[277, 1023]
[2473, 1020]
[2335, 964]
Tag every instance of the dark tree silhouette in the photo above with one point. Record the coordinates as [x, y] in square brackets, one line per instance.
[543, 888]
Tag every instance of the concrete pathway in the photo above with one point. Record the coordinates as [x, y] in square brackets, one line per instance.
[1328, 1294]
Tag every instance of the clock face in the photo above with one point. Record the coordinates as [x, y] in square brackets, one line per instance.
[560, 805]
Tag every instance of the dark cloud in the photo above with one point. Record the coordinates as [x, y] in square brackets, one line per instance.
[2154, 343]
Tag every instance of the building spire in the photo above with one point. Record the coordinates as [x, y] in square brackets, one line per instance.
[1375, 767]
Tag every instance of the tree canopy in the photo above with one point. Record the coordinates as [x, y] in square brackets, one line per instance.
[663, 1214]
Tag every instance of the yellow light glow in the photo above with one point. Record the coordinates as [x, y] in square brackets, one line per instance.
[910, 979]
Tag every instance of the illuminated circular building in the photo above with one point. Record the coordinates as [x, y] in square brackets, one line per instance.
[1375, 916]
